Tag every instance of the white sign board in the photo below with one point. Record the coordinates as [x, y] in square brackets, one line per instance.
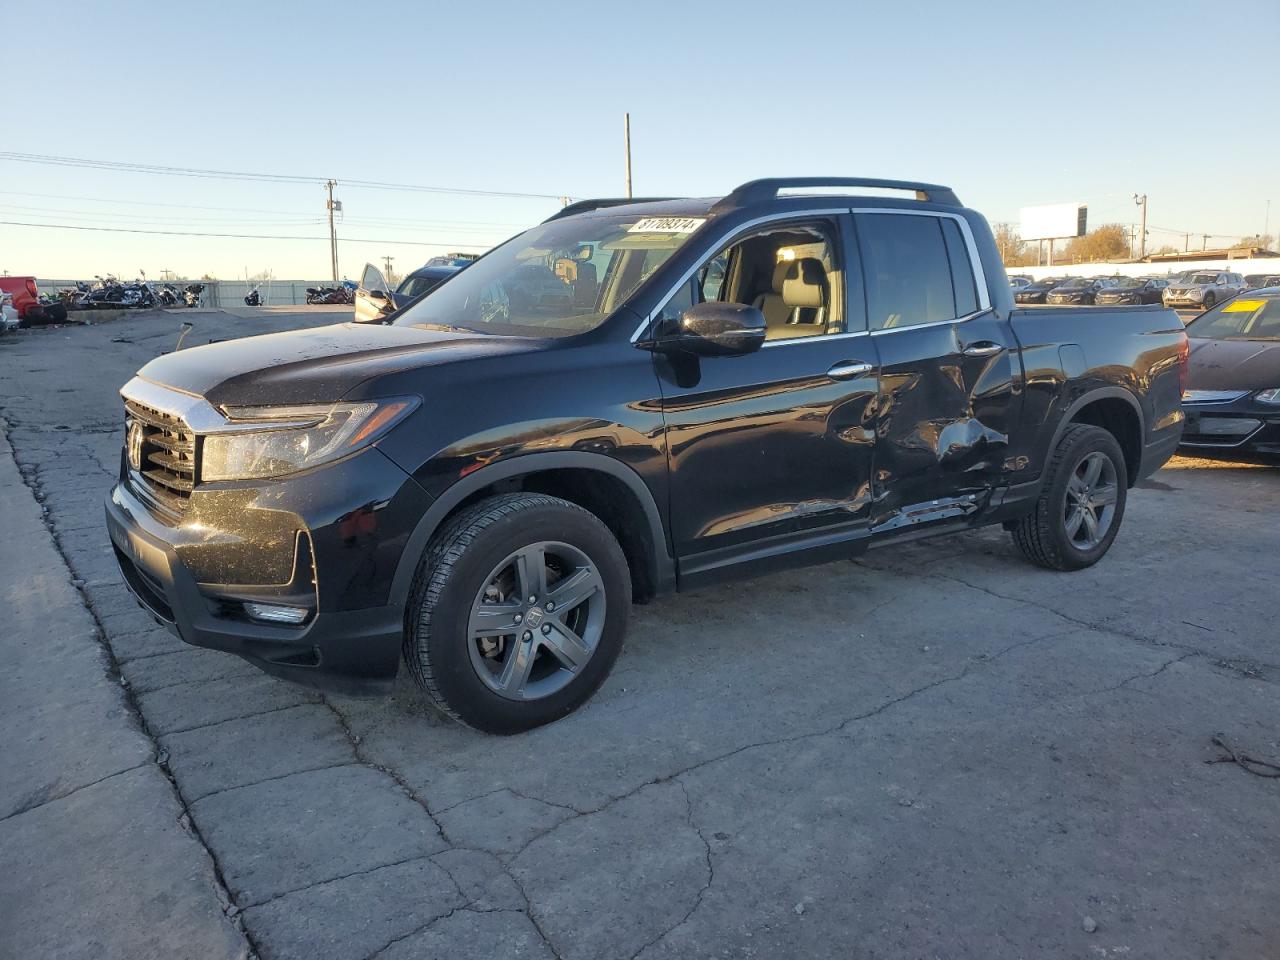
[1052, 222]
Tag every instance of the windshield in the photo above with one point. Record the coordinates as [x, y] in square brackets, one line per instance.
[415, 286]
[1127, 283]
[1204, 278]
[556, 280]
[1244, 318]
[1075, 284]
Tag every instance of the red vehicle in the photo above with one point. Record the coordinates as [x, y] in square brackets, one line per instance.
[26, 300]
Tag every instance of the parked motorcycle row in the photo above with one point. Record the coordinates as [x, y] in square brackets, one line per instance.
[109, 293]
[342, 293]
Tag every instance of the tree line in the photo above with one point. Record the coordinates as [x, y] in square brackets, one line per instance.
[1107, 242]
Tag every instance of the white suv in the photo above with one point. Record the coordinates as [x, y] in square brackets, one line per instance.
[1203, 289]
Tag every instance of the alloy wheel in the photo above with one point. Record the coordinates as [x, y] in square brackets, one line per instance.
[1090, 507]
[536, 621]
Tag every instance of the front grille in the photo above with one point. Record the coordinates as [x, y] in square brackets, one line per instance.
[164, 465]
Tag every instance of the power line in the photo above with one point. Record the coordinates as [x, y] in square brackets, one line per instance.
[378, 218]
[121, 166]
[246, 236]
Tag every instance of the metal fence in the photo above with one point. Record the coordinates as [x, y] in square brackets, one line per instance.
[225, 293]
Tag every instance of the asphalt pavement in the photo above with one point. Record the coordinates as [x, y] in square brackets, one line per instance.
[935, 750]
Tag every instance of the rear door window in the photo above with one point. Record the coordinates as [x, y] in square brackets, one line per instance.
[907, 270]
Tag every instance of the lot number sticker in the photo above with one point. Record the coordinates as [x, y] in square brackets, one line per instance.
[667, 225]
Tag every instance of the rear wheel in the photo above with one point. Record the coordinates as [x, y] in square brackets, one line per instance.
[1081, 505]
[1209, 301]
[517, 613]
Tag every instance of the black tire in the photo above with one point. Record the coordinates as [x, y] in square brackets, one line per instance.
[455, 569]
[1209, 301]
[1042, 535]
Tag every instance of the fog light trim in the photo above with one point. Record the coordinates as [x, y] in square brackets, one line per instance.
[276, 613]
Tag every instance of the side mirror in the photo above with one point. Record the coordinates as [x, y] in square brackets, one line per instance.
[717, 329]
[378, 294]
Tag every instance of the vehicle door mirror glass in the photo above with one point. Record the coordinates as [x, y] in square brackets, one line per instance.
[715, 329]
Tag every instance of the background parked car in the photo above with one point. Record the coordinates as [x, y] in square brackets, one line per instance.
[1036, 292]
[1080, 290]
[1019, 283]
[8, 315]
[1203, 288]
[1132, 290]
[374, 298]
[26, 300]
[1232, 400]
[1255, 281]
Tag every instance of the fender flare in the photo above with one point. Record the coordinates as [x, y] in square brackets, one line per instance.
[1100, 393]
[662, 567]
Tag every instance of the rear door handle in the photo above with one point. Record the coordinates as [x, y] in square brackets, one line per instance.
[848, 369]
[982, 348]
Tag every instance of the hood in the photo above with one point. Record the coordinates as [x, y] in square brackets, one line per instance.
[1234, 365]
[317, 365]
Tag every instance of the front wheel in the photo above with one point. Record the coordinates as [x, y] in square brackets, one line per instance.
[1209, 301]
[517, 612]
[1081, 505]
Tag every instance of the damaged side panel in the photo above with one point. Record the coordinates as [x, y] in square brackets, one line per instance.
[948, 396]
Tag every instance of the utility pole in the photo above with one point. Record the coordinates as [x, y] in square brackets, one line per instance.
[1204, 242]
[626, 139]
[1186, 243]
[386, 263]
[1142, 237]
[333, 232]
[1266, 223]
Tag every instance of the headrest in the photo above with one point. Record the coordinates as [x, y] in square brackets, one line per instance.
[805, 284]
[780, 274]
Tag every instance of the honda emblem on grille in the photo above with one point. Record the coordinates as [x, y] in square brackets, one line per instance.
[133, 444]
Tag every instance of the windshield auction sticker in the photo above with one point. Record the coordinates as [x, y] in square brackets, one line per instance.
[667, 225]
[1243, 306]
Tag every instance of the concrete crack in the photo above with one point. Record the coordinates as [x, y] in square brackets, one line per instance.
[702, 892]
[221, 889]
[346, 876]
[283, 776]
[37, 804]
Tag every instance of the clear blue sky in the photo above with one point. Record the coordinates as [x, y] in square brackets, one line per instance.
[1010, 103]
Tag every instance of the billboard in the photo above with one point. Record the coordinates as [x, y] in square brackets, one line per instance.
[1052, 222]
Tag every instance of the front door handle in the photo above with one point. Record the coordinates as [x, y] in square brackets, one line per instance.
[982, 348]
[848, 369]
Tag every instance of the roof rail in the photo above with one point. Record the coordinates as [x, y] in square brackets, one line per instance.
[759, 190]
[583, 206]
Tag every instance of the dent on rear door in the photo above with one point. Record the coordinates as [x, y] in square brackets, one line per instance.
[943, 421]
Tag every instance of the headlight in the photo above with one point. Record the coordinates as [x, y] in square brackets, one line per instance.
[273, 441]
[1268, 396]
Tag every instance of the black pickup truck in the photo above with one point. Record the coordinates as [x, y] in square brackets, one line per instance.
[630, 398]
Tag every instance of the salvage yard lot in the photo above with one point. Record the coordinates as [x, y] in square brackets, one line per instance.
[934, 750]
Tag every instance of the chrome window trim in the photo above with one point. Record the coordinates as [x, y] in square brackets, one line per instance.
[971, 245]
[883, 331]
[814, 338]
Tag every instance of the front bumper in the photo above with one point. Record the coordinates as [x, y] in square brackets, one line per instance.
[1241, 425]
[330, 541]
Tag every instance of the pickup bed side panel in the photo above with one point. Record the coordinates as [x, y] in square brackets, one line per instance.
[1129, 356]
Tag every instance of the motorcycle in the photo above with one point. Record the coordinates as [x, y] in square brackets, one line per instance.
[343, 293]
[191, 294]
[254, 298]
[168, 296]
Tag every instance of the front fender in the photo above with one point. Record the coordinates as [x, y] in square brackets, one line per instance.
[662, 568]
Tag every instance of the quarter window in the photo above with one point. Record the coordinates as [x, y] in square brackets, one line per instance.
[914, 273]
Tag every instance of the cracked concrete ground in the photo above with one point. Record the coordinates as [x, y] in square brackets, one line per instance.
[936, 750]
